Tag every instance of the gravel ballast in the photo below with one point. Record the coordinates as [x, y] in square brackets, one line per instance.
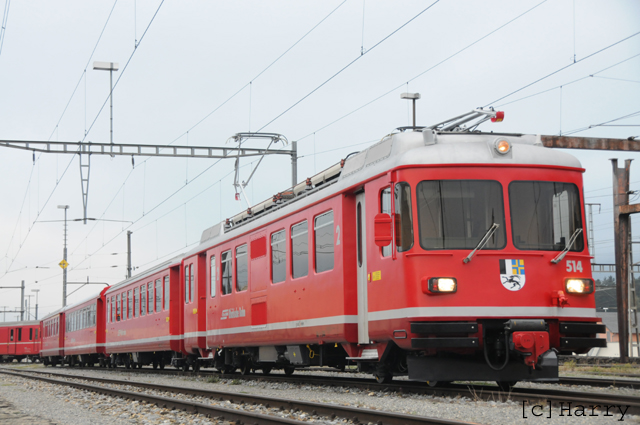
[64, 405]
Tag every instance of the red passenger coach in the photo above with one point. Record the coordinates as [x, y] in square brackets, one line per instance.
[52, 349]
[19, 340]
[84, 332]
[439, 253]
[144, 318]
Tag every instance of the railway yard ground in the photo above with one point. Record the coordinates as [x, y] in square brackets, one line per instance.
[26, 401]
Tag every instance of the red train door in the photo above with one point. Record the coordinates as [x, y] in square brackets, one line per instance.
[13, 340]
[361, 258]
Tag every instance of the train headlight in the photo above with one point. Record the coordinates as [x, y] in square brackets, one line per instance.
[502, 146]
[579, 286]
[441, 285]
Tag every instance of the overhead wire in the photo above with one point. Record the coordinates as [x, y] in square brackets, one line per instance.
[425, 71]
[563, 68]
[349, 64]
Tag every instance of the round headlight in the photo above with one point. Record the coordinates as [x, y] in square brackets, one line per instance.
[502, 146]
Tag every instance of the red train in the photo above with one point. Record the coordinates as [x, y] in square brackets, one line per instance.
[19, 340]
[439, 253]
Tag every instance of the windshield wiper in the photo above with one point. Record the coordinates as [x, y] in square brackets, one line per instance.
[482, 242]
[572, 240]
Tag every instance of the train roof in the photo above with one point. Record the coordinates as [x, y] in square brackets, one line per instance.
[162, 266]
[414, 146]
[19, 323]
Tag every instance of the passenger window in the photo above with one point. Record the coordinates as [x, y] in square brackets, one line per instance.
[19, 334]
[385, 208]
[226, 272]
[150, 296]
[242, 268]
[129, 310]
[212, 283]
[158, 295]
[404, 222]
[300, 249]
[278, 257]
[143, 300]
[186, 284]
[11, 338]
[30, 334]
[166, 293]
[113, 309]
[136, 302]
[36, 334]
[323, 233]
[118, 309]
[193, 283]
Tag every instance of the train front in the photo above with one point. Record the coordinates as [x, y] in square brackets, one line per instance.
[490, 242]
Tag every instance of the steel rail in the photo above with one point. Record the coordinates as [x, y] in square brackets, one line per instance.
[598, 382]
[357, 415]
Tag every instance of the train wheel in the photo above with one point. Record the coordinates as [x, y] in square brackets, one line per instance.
[245, 369]
[185, 367]
[155, 365]
[383, 378]
[161, 364]
[139, 365]
[506, 386]
[196, 367]
[288, 370]
[266, 370]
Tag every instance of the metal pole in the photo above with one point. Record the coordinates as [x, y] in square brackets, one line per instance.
[621, 238]
[129, 253]
[22, 302]
[414, 113]
[111, 101]
[36, 291]
[294, 163]
[64, 257]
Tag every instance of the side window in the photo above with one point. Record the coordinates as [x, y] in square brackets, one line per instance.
[158, 295]
[36, 334]
[118, 309]
[212, 268]
[404, 222]
[166, 293]
[226, 272]
[30, 334]
[300, 250]
[323, 234]
[143, 300]
[11, 338]
[136, 302]
[278, 257]
[242, 268]
[108, 318]
[19, 334]
[150, 296]
[113, 309]
[192, 283]
[130, 307]
[186, 284]
[385, 208]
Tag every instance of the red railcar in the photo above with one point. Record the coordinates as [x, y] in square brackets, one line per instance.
[19, 340]
[144, 318]
[52, 349]
[440, 254]
[84, 332]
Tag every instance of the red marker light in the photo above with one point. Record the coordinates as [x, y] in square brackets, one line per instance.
[499, 117]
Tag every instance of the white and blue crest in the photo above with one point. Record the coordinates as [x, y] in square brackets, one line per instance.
[512, 274]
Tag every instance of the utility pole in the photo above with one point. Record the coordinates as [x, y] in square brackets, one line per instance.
[590, 239]
[36, 291]
[64, 264]
[22, 301]
[129, 232]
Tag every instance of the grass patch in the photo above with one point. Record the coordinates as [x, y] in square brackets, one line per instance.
[236, 382]
[213, 380]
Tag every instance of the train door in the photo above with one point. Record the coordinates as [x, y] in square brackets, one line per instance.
[361, 258]
[258, 265]
[13, 340]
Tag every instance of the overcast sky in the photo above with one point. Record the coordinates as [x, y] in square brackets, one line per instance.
[325, 73]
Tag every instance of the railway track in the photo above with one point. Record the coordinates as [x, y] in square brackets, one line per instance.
[356, 415]
[474, 392]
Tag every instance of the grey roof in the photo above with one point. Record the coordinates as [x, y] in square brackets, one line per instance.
[610, 320]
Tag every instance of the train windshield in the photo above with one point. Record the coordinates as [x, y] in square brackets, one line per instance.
[456, 214]
[544, 215]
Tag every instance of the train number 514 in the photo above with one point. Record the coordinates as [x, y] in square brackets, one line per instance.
[574, 266]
